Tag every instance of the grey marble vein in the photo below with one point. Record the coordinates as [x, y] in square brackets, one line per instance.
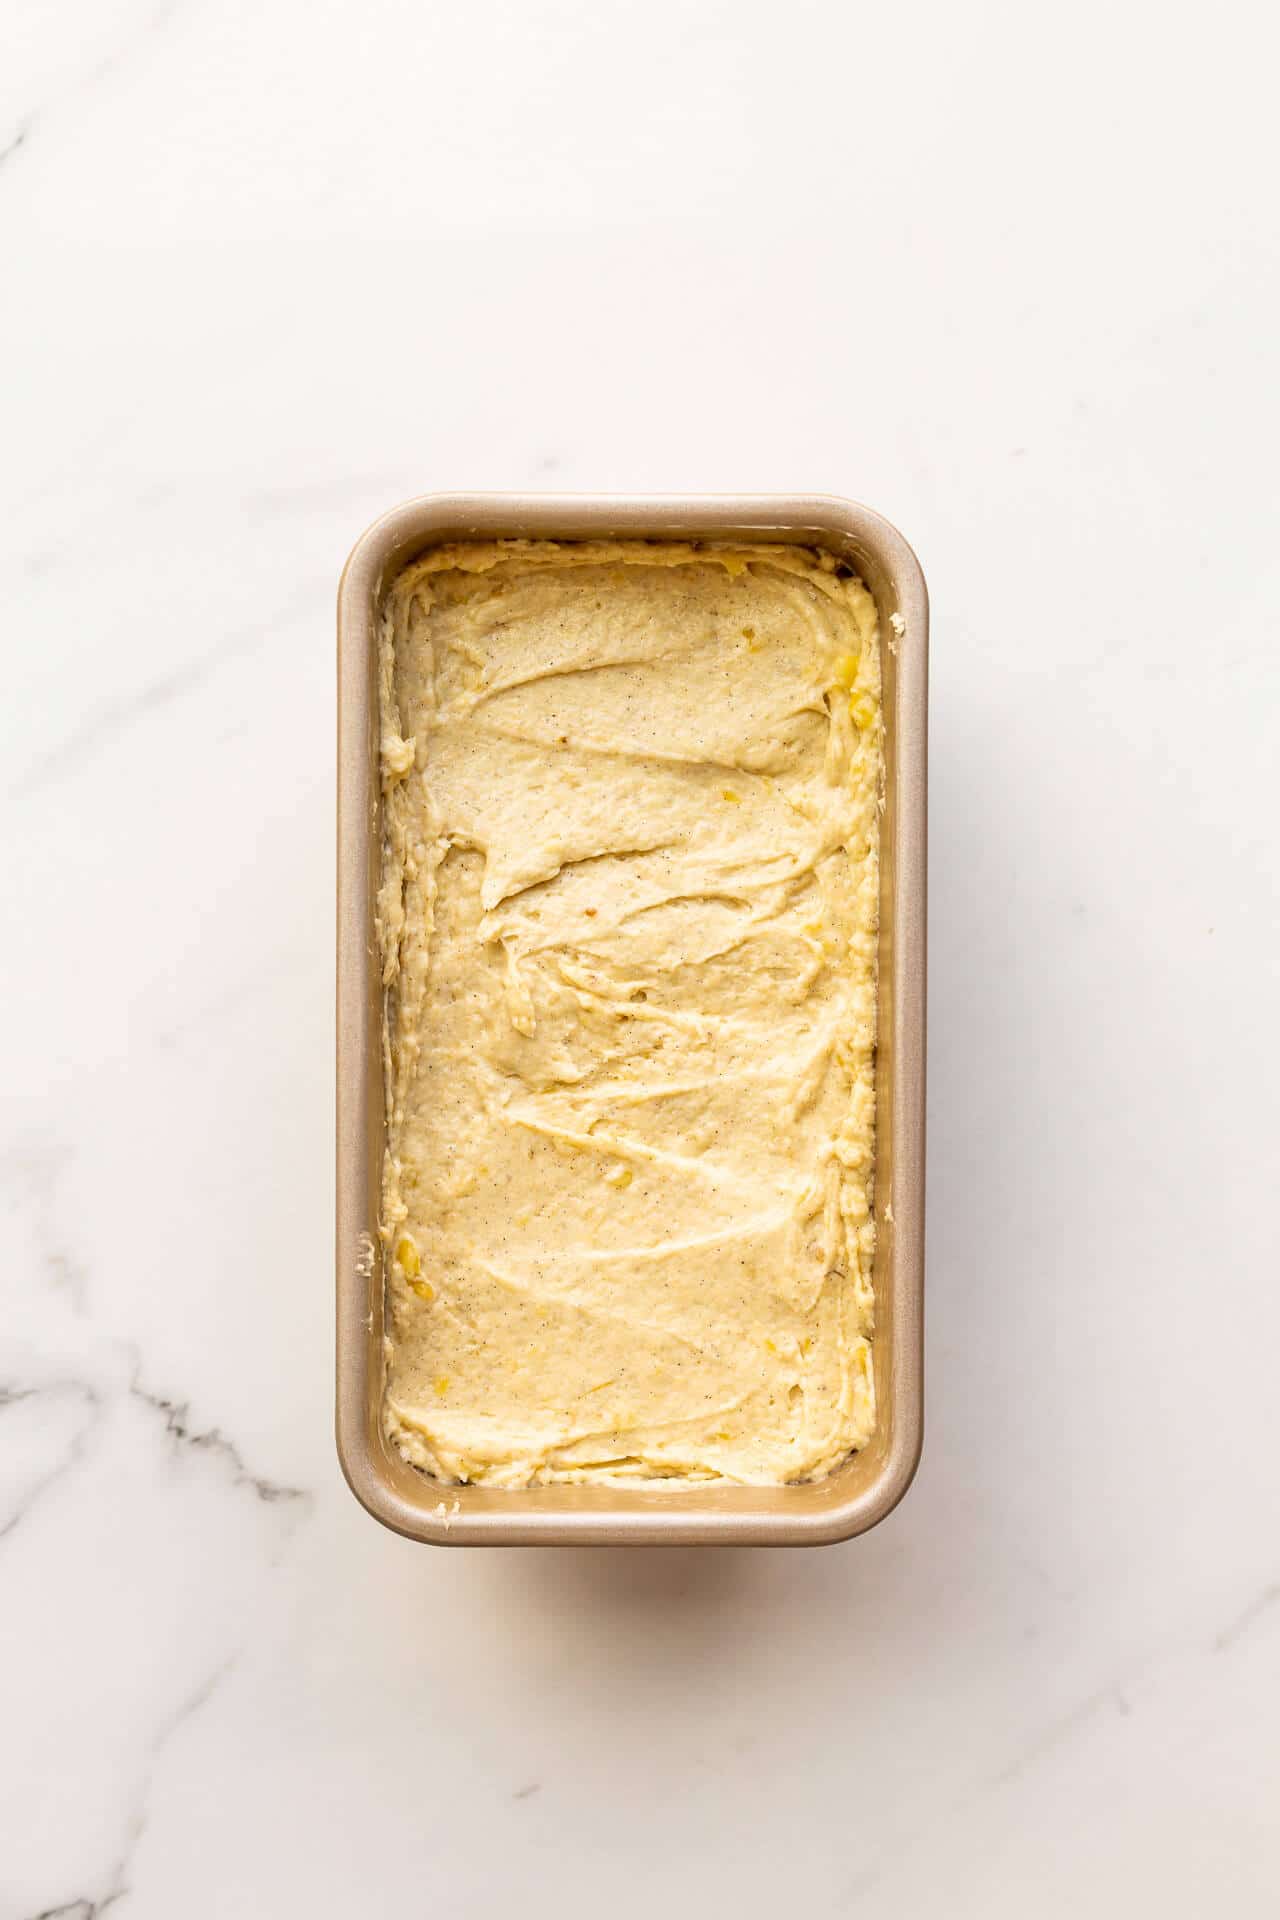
[83, 1909]
[107, 63]
[11, 1395]
[91, 1907]
[103, 725]
[79, 1909]
[212, 1440]
[1107, 1698]
[1259, 1605]
[32, 1171]
[17, 140]
[149, 24]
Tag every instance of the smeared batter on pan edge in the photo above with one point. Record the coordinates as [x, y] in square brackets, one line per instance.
[628, 923]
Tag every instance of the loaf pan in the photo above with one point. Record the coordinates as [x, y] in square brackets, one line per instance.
[870, 1483]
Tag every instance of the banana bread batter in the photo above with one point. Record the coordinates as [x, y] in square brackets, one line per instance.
[628, 923]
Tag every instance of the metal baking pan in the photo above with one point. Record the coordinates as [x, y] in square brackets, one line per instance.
[870, 1483]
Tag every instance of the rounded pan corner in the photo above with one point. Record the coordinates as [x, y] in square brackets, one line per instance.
[379, 1500]
[358, 1472]
[360, 569]
[357, 561]
[895, 1483]
[868, 1508]
[901, 558]
[369, 554]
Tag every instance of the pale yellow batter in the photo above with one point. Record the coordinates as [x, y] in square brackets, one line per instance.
[628, 922]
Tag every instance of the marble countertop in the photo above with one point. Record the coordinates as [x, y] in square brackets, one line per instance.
[1017, 284]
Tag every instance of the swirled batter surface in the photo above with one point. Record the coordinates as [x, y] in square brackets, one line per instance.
[628, 923]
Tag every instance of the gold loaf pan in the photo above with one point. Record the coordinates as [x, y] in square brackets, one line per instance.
[870, 1483]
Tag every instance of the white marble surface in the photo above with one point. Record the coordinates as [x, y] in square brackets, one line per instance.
[1011, 277]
